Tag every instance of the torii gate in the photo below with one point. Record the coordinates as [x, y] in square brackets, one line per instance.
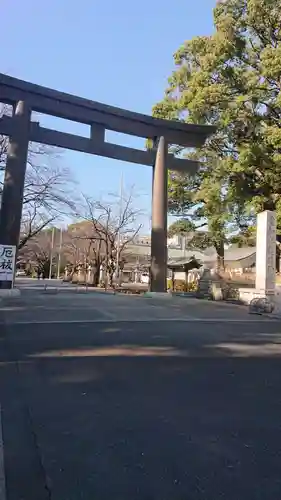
[27, 97]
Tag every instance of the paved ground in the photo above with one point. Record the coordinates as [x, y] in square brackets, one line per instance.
[116, 397]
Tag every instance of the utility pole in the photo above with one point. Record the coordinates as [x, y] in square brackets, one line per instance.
[51, 253]
[59, 257]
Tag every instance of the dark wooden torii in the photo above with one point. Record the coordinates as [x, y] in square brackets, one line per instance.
[27, 97]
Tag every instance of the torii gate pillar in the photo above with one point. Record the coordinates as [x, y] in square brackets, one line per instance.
[158, 269]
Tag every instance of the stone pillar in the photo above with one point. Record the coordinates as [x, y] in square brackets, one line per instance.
[102, 276]
[80, 274]
[12, 196]
[89, 277]
[158, 271]
[266, 252]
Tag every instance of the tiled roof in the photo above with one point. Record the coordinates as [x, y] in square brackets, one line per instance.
[230, 254]
[181, 261]
[233, 253]
[208, 255]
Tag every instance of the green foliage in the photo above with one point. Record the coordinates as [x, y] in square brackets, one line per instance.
[201, 241]
[245, 238]
[181, 227]
[213, 238]
[231, 79]
[182, 286]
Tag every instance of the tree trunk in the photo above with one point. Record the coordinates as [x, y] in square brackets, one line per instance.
[220, 256]
[111, 276]
[96, 275]
[269, 205]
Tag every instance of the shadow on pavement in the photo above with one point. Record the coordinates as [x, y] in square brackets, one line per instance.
[131, 411]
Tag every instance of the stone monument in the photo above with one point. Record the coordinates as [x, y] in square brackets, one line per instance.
[265, 262]
[89, 275]
[266, 253]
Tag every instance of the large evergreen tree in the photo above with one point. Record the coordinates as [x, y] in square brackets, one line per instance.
[231, 79]
[181, 227]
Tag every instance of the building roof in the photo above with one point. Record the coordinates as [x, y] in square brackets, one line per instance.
[182, 261]
[209, 255]
[231, 254]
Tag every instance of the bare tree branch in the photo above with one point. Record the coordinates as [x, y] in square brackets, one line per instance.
[48, 191]
[113, 225]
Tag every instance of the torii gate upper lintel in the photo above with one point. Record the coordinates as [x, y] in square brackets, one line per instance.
[27, 97]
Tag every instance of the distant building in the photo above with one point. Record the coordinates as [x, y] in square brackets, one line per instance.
[235, 259]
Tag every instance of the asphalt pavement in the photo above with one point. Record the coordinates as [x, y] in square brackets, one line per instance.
[115, 397]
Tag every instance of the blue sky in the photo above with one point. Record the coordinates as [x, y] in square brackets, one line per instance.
[117, 52]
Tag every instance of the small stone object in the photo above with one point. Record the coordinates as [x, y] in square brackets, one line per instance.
[261, 305]
[210, 285]
[216, 291]
[204, 282]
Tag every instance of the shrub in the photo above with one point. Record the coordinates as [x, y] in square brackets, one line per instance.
[182, 286]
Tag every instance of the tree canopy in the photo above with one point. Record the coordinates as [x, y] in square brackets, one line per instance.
[181, 227]
[231, 79]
